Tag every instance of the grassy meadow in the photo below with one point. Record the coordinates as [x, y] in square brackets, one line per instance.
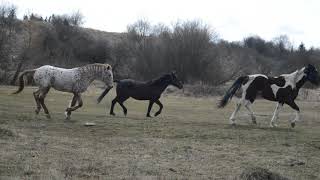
[190, 139]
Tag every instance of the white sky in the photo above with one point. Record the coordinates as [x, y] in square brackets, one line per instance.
[232, 19]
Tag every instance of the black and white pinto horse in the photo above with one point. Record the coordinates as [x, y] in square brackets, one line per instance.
[283, 89]
[150, 90]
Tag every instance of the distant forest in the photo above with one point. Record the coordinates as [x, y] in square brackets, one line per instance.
[144, 51]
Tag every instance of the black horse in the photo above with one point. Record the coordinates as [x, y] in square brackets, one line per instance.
[150, 90]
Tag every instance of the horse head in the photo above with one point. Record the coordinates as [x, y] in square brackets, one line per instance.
[312, 74]
[175, 81]
[107, 75]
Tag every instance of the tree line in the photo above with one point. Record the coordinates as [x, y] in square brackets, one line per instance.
[144, 51]
[195, 51]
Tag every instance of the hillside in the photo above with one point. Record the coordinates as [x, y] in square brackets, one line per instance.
[145, 51]
[111, 37]
[31, 43]
[34, 33]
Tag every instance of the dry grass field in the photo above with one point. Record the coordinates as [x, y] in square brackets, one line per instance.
[190, 139]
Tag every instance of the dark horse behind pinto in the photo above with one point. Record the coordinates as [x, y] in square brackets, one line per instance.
[150, 90]
[283, 89]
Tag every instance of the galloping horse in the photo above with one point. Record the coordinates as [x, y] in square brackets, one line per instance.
[283, 89]
[74, 81]
[150, 90]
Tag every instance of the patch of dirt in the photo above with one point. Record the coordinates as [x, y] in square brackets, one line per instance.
[294, 162]
[6, 133]
[258, 173]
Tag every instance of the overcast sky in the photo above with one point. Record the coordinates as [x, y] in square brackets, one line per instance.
[232, 19]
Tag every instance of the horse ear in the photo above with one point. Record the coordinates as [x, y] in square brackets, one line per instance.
[174, 72]
[108, 67]
[311, 66]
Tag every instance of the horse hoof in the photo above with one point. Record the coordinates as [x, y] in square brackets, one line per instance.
[37, 111]
[113, 114]
[67, 115]
[293, 125]
[232, 121]
[273, 125]
[125, 113]
[156, 114]
[48, 116]
[148, 115]
[254, 121]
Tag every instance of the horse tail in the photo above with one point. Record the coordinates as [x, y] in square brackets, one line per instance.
[105, 92]
[21, 81]
[232, 90]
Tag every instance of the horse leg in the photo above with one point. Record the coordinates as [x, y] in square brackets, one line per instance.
[294, 106]
[149, 107]
[36, 98]
[232, 117]
[160, 107]
[248, 107]
[80, 104]
[114, 101]
[71, 104]
[120, 101]
[276, 115]
[42, 96]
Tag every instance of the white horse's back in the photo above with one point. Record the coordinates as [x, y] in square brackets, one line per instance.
[59, 78]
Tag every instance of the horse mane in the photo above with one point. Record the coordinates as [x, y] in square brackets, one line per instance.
[96, 67]
[158, 80]
[293, 78]
[299, 73]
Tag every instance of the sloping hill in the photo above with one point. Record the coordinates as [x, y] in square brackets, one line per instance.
[33, 43]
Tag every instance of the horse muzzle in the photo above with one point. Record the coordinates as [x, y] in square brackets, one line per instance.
[180, 86]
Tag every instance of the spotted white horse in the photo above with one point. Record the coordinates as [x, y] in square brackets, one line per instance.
[75, 80]
[283, 89]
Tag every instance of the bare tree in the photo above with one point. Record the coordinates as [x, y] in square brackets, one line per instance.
[139, 31]
[8, 16]
[7, 26]
[76, 18]
[24, 54]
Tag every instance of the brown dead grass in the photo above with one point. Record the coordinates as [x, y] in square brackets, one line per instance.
[190, 139]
